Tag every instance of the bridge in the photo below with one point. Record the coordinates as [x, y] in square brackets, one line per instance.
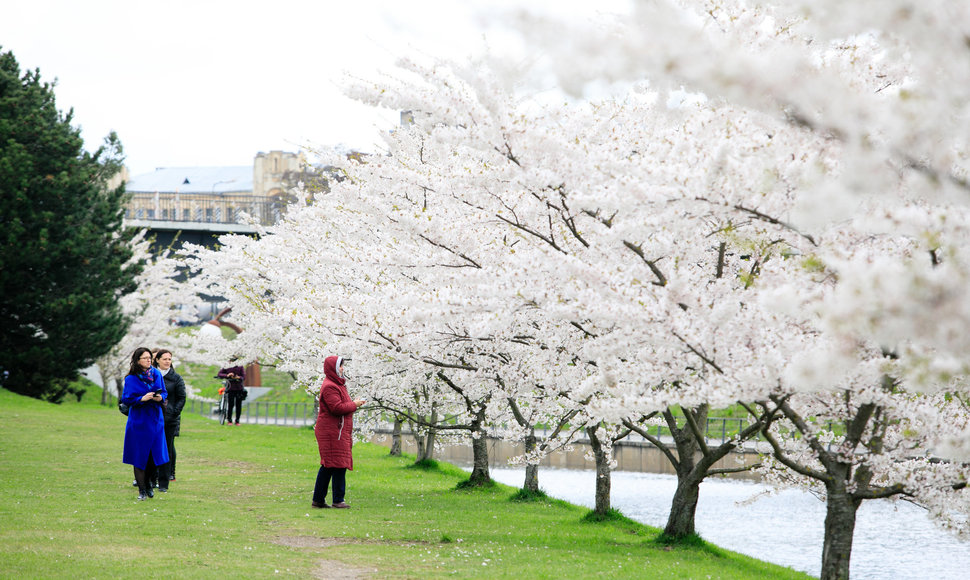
[175, 218]
[199, 204]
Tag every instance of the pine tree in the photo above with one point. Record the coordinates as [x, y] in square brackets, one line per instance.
[63, 251]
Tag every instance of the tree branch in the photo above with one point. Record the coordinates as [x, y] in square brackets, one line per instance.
[701, 355]
[721, 250]
[788, 462]
[761, 216]
[653, 441]
[583, 330]
[471, 263]
[444, 365]
[529, 231]
[567, 216]
[726, 470]
[652, 264]
[882, 492]
[696, 431]
[826, 458]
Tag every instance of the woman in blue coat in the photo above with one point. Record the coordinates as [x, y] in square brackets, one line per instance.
[144, 394]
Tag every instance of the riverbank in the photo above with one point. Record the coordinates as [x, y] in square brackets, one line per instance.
[893, 540]
[240, 506]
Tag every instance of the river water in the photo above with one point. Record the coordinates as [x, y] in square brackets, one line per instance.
[893, 540]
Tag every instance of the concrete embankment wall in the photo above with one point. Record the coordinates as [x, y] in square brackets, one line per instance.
[630, 456]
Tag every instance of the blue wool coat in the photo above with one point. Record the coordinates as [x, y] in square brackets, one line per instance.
[145, 430]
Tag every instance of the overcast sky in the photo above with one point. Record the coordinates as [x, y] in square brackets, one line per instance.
[214, 82]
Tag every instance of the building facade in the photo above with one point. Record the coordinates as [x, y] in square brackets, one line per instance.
[191, 197]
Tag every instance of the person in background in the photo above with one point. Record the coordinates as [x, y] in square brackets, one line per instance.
[175, 386]
[144, 392]
[334, 433]
[235, 377]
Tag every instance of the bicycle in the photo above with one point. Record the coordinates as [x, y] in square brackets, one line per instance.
[224, 404]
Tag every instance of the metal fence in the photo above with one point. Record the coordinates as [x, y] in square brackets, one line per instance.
[719, 429]
[196, 208]
[260, 412]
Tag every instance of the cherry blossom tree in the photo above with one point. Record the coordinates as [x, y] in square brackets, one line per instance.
[608, 260]
[881, 86]
[577, 241]
[741, 193]
[334, 308]
[159, 296]
[884, 85]
[568, 275]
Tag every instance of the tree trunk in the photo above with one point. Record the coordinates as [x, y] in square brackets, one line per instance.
[840, 516]
[419, 438]
[683, 507]
[479, 474]
[396, 437]
[680, 520]
[603, 481]
[118, 387]
[428, 452]
[426, 441]
[419, 444]
[104, 388]
[531, 482]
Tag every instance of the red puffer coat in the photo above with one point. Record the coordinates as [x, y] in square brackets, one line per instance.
[335, 420]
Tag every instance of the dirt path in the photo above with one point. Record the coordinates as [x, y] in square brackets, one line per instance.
[327, 569]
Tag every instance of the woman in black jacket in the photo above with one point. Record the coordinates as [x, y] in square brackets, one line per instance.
[173, 412]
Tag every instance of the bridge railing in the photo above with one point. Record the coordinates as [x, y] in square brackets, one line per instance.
[201, 208]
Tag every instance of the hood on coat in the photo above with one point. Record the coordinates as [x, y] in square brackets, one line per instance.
[330, 366]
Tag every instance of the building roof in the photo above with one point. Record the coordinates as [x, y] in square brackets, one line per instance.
[233, 179]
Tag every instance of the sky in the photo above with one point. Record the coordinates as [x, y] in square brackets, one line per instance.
[214, 82]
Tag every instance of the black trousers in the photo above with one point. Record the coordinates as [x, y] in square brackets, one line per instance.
[235, 401]
[170, 440]
[144, 478]
[157, 475]
[151, 472]
[327, 474]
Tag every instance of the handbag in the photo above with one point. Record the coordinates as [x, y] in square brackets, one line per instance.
[245, 393]
[123, 408]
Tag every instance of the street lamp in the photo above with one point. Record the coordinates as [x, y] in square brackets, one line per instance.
[218, 182]
[220, 194]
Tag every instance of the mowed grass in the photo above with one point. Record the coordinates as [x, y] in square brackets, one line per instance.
[241, 508]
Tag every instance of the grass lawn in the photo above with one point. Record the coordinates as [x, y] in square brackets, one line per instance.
[241, 508]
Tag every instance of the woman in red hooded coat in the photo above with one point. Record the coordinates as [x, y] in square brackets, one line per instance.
[334, 431]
